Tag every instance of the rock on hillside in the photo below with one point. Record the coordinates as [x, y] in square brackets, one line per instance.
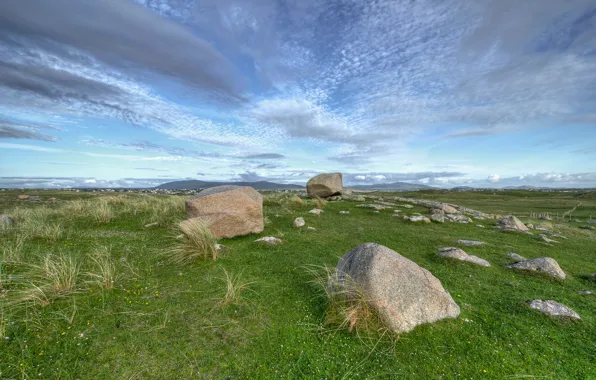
[510, 222]
[554, 309]
[228, 210]
[325, 185]
[543, 265]
[459, 254]
[402, 293]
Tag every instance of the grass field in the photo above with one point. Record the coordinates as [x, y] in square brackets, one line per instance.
[88, 292]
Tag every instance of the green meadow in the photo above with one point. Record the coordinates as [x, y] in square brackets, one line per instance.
[89, 292]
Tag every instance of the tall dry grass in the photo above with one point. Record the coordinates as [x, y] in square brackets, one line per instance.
[197, 242]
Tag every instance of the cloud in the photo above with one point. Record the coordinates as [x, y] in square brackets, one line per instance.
[264, 156]
[353, 178]
[128, 37]
[153, 169]
[77, 182]
[10, 130]
[493, 178]
[31, 148]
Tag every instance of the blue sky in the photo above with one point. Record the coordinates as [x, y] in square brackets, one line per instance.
[446, 93]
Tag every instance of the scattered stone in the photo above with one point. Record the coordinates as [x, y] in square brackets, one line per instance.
[6, 221]
[530, 226]
[298, 222]
[345, 191]
[546, 239]
[376, 211]
[407, 206]
[447, 209]
[470, 243]
[34, 198]
[151, 225]
[459, 254]
[357, 198]
[539, 228]
[335, 198]
[545, 217]
[316, 211]
[228, 210]
[439, 218]
[23, 197]
[309, 228]
[396, 210]
[344, 212]
[377, 207]
[480, 225]
[587, 227]
[510, 222]
[437, 211]
[325, 185]
[402, 293]
[515, 257]
[458, 218]
[220, 247]
[544, 265]
[52, 199]
[419, 218]
[585, 293]
[270, 240]
[554, 309]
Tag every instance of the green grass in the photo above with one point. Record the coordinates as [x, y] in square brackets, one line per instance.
[123, 310]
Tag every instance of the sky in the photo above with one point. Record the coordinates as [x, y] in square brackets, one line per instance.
[134, 93]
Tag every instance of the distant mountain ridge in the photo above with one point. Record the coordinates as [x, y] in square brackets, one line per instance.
[196, 184]
[394, 186]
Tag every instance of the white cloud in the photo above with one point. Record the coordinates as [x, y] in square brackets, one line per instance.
[494, 178]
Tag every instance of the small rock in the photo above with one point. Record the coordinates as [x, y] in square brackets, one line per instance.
[530, 226]
[6, 221]
[309, 228]
[587, 227]
[459, 254]
[480, 225]
[515, 257]
[22, 197]
[52, 199]
[396, 211]
[585, 292]
[376, 211]
[220, 247]
[554, 309]
[544, 217]
[542, 265]
[439, 218]
[151, 225]
[470, 243]
[335, 198]
[270, 240]
[377, 207]
[344, 212]
[459, 218]
[34, 198]
[316, 211]
[546, 239]
[298, 222]
[408, 206]
[419, 218]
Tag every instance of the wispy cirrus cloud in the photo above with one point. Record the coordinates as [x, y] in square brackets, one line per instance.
[10, 130]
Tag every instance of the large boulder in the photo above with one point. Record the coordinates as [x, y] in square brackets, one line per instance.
[403, 294]
[543, 265]
[510, 222]
[228, 211]
[325, 185]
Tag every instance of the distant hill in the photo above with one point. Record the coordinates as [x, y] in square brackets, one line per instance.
[195, 184]
[395, 186]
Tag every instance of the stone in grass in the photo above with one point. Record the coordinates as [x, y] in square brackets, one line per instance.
[376, 211]
[546, 239]
[480, 226]
[458, 218]
[544, 265]
[269, 240]
[419, 218]
[587, 227]
[344, 212]
[554, 309]
[515, 257]
[316, 211]
[511, 223]
[6, 221]
[309, 228]
[403, 294]
[459, 254]
[298, 222]
[439, 218]
[470, 243]
[585, 292]
[151, 225]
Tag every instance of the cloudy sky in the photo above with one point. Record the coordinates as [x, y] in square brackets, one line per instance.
[447, 93]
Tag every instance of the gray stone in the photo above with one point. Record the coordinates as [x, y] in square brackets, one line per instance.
[376, 206]
[515, 257]
[419, 218]
[269, 240]
[402, 293]
[470, 243]
[316, 211]
[542, 265]
[587, 227]
[344, 212]
[151, 225]
[325, 185]
[298, 222]
[545, 239]
[439, 218]
[459, 254]
[6, 221]
[458, 218]
[585, 292]
[554, 309]
[309, 228]
[510, 222]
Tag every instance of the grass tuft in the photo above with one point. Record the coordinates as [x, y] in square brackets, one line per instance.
[197, 242]
[235, 287]
[105, 273]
